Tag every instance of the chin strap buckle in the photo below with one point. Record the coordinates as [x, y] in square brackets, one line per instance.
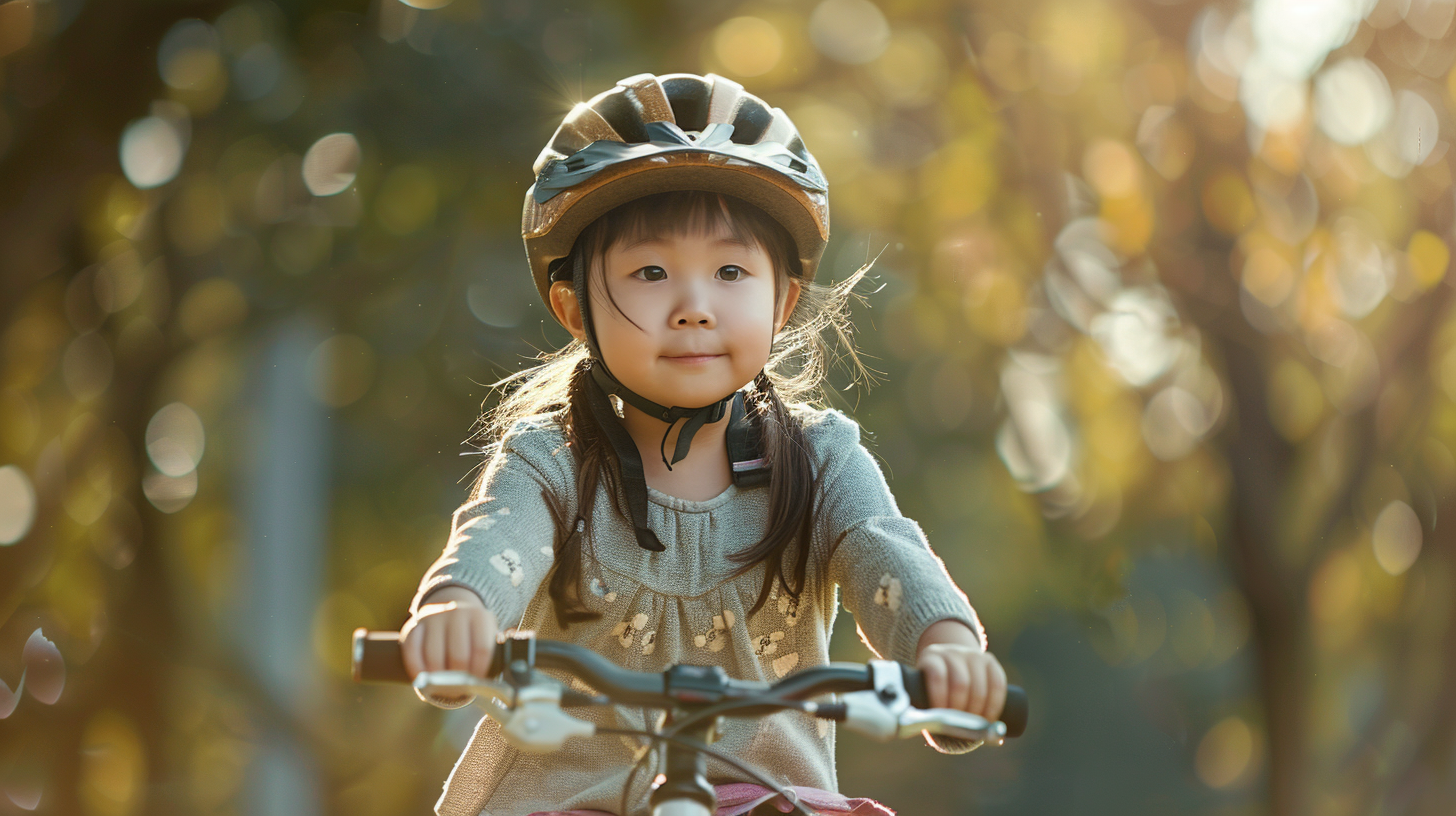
[745, 447]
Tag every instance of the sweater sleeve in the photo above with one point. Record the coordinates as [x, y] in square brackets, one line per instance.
[890, 580]
[500, 544]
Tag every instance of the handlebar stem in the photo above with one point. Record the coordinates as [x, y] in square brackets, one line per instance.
[686, 771]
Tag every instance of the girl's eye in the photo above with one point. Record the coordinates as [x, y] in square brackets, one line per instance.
[730, 273]
[651, 273]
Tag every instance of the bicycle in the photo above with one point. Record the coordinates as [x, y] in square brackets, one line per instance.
[882, 699]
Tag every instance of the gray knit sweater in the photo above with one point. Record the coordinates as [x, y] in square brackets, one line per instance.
[681, 606]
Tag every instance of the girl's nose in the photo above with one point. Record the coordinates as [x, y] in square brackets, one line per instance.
[693, 317]
[693, 309]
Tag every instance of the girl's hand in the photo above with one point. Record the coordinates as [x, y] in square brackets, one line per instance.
[958, 673]
[451, 631]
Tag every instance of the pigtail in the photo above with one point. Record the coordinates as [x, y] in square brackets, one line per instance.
[792, 497]
[595, 460]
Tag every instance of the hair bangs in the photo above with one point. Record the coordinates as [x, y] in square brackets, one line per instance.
[683, 213]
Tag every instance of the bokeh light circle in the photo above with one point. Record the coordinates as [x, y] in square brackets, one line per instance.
[849, 31]
[1295, 35]
[175, 440]
[1225, 753]
[748, 46]
[1417, 127]
[169, 494]
[1396, 538]
[1272, 99]
[189, 55]
[17, 505]
[331, 164]
[151, 152]
[1352, 101]
[45, 669]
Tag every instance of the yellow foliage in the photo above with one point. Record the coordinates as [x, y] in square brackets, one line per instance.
[1227, 203]
[747, 46]
[1227, 753]
[1081, 35]
[1429, 258]
[995, 304]
[1338, 591]
[1296, 401]
[113, 766]
[1127, 223]
[959, 179]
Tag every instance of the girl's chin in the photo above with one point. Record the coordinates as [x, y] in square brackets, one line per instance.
[700, 394]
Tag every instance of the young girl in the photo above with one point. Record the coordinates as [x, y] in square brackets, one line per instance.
[659, 491]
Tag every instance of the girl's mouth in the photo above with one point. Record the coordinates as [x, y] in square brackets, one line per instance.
[692, 359]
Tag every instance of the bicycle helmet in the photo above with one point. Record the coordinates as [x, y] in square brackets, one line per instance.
[692, 133]
[654, 134]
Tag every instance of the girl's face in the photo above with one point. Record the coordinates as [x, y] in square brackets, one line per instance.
[694, 316]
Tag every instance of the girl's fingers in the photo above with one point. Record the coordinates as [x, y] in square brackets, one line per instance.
[932, 668]
[458, 642]
[976, 692]
[958, 689]
[434, 645]
[996, 690]
[409, 648]
[482, 645]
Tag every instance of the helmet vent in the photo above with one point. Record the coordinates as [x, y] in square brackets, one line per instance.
[620, 112]
[750, 123]
[647, 94]
[689, 99]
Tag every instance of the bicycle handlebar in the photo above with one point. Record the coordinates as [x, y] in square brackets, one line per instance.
[378, 658]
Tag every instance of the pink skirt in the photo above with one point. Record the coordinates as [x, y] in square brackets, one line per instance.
[738, 798]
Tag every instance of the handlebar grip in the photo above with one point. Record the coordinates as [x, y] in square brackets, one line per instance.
[1014, 713]
[378, 657]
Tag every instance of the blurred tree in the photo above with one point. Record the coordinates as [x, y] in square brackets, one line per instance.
[1229, 218]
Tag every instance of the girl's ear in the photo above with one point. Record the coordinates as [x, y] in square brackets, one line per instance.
[786, 306]
[564, 306]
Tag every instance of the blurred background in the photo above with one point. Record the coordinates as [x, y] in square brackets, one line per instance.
[1163, 319]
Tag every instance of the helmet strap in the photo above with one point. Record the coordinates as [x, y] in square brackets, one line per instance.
[634, 480]
[696, 417]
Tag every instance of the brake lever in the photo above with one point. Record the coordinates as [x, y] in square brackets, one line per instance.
[429, 682]
[950, 722]
[531, 719]
[885, 712]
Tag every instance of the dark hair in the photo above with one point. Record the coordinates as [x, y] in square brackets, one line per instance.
[794, 373]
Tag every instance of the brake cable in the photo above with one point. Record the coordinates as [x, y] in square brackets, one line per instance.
[722, 709]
